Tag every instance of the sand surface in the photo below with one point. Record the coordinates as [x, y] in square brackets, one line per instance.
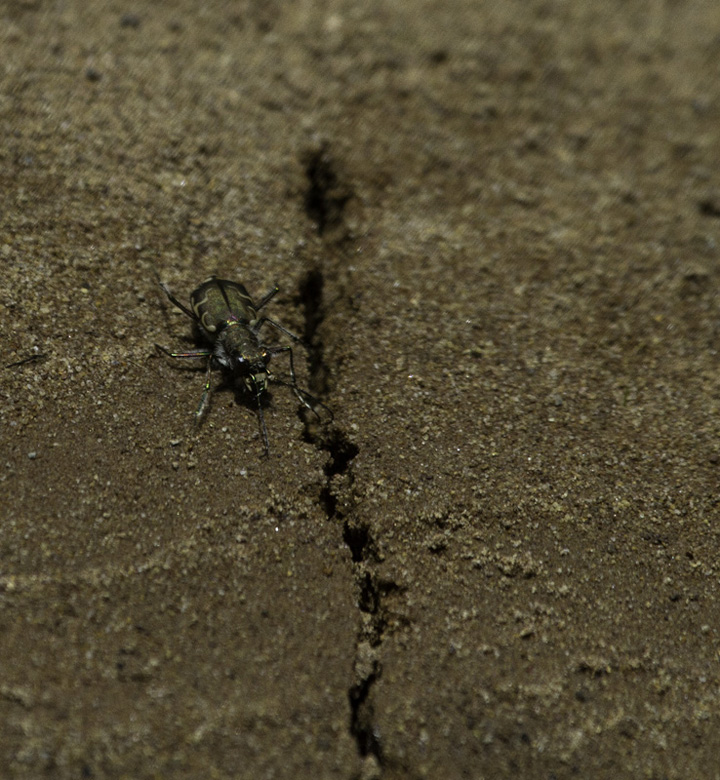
[497, 226]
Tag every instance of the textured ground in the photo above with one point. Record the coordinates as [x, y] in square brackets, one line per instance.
[497, 225]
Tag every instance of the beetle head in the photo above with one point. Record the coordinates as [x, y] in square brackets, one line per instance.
[252, 370]
[256, 378]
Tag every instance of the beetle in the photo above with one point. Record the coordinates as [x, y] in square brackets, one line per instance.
[227, 319]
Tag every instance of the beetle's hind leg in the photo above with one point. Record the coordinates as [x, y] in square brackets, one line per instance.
[31, 359]
[177, 303]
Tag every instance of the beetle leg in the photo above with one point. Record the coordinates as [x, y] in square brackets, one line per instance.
[204, 399]
[22, 362]
[293, 383]
[267, 298]
[302, 395]
[263, 427]
[177, 303]
[256, 328]
[195, 354]
[200, 353]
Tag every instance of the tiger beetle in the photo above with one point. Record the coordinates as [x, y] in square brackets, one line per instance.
[228, 321]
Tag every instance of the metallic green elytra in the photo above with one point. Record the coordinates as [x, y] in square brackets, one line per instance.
[217, 303]
[228, 321]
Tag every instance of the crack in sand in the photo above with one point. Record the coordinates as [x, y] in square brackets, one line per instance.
[325, 200]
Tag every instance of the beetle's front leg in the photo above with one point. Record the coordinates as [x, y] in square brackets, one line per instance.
[302, 395]
[256, 329]
[267, 298]
[293, 382]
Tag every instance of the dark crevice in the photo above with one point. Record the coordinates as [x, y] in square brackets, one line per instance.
[326, 195]
[342, 452]
[710, 206]
[372, 602]
[325, 202]
[369, 597]
[368, 667]
[311, 298]
[362, 716]
[357, 538]
[370, 592]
